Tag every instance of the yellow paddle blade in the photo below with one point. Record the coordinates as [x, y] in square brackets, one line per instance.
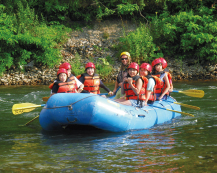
[187, 106]
[193, 93]
[23, 107]
[184, 113]
[45, 98]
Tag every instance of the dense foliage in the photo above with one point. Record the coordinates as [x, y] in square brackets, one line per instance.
[35, 29]
[24, 38]
[188, 34]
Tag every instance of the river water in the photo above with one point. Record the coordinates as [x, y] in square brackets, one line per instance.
[186, 144]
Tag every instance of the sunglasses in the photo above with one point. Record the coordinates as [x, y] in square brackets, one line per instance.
[124, 58]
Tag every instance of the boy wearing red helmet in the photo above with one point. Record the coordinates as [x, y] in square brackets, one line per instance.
[91, 81]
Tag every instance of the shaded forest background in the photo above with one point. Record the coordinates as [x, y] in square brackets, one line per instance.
[35, 30]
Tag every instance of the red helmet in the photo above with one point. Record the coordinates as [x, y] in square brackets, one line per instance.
[90, 64]
[156, 61]
[134, 66]
[146, 66]
[164, 62]
[62, 70]
[65, 65]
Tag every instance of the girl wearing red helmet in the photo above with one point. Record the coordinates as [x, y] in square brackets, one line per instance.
[62, 85]
[91, 81]
[131, 86]
[161, 89]
[70, 77]
[68, 67]
[164, 65]
[125, 62]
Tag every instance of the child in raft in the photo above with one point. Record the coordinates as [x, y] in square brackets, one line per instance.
[91, 81]
[164, 65]
[64, 84]
[161, 90]
[70, 77]
[131, 86]
[149, 82]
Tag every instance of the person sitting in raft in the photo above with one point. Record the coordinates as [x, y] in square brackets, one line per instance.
[162, 89]
[131, 86]
[164, 65]
[70, 76]
[91, 81]
[149, 81]
[63, 84]
[125, 61]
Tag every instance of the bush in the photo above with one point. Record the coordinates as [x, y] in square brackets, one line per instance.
[190, 34]
[103, 67]
[77, 67]
[140, 45]
[23, 38]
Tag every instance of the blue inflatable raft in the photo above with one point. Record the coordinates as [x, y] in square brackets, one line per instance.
[73, 109]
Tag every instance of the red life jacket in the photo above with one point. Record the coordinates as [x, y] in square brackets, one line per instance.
[128, 90]
[91, 83]
[142, 94]
[67, 87]
[161, 85]
[70, 78]
[51, 85]
[169, 77]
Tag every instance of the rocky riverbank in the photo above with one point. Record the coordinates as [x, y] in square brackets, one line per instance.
[97, 43]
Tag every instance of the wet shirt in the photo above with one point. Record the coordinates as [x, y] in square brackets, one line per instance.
[121, 75]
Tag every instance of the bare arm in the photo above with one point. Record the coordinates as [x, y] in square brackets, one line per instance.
[167, 86]
[171, 87]
[148, 94]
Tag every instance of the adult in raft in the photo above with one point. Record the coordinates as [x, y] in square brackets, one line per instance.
[131, 86]
[91, 81]
[125, 61]
[161, 90]
[63, 84]
[70, 77]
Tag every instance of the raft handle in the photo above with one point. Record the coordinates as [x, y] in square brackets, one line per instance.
[71, 121]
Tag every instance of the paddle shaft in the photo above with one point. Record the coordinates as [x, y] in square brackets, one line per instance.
[184, 113]
[30, 121]
[185, 105]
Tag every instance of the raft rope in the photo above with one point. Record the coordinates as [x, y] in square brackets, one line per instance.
[70, 106]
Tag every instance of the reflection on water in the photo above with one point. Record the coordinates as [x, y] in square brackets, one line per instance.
[181, 145]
